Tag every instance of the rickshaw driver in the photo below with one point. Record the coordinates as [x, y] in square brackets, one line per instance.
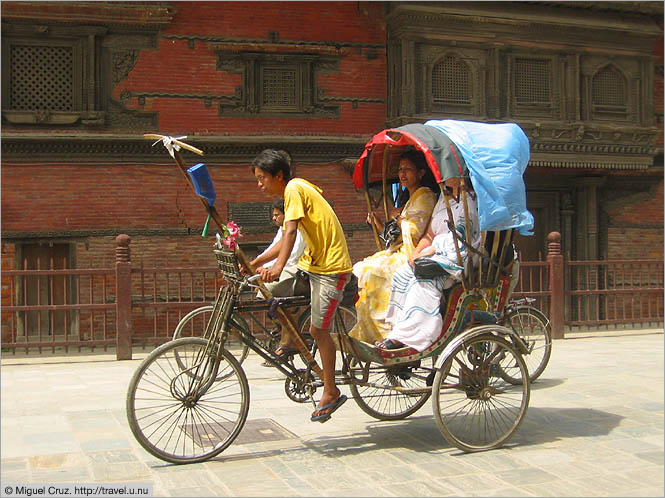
[326, 259]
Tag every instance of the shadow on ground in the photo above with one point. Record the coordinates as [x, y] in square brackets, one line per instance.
[541, 425]
[546, 383]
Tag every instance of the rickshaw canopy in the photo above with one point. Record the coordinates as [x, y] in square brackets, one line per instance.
[494, 156]
[441, 154]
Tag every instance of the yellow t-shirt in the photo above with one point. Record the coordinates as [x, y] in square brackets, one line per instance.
[326, 251]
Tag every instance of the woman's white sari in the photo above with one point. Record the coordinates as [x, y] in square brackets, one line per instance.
[414, 309]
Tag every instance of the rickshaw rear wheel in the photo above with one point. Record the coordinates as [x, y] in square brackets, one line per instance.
[475, 408]
[384, 403]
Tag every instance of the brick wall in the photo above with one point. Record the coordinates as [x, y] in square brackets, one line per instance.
[621, 242]
[121, 197]
[638, 217]
[176, 68]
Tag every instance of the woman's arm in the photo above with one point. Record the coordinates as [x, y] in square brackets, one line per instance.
[424, 247]
[373, 220]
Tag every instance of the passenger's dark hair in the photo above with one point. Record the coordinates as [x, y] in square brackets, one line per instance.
[278, 205]
[273, 161]
[419, 161]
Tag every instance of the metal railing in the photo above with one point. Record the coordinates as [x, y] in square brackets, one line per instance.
[140, 306]
[534, 283]
[58, 308]
[610, 293]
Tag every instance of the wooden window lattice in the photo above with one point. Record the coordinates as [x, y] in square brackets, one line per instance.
[450, 82]
[608, 88]
[279, 88]
[41, 78]
[532, 81]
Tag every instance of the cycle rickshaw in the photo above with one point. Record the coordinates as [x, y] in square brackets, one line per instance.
[189, 398]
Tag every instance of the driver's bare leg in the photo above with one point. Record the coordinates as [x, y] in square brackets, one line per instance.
[328, 356]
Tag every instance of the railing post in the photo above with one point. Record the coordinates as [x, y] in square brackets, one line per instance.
[123, 298]
[557, 305]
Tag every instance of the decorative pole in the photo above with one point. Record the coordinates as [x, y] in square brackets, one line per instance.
[557, 296]
[123, 298]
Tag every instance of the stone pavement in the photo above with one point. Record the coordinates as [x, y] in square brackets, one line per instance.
[594, 428]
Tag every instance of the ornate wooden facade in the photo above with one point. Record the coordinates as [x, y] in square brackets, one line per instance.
[82, 81]
[577, 77]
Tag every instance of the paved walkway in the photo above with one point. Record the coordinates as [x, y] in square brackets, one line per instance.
[594, 428]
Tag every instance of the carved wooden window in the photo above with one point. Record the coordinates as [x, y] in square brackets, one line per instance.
[533, 88]
[277, 84]
[608, 93]
[50, 75]
[451, 82]
[280, 88]
[41, 77]
[532, 81]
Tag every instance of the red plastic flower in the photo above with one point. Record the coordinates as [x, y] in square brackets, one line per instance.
[233, 228]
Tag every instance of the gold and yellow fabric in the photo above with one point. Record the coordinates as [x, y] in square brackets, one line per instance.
[375, 272]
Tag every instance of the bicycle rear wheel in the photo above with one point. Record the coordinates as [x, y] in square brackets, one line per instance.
[378, 398]
[535, 329]
[474, 407]
[185, 406]
[345, 319]
[193, 324]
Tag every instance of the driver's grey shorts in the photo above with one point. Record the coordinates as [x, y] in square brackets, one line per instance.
[327, 292]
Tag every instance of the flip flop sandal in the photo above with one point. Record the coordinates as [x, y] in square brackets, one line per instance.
[388, 344]
[285, 352]
[324, 417]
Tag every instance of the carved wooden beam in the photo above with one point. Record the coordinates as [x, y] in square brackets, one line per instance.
[129, 14]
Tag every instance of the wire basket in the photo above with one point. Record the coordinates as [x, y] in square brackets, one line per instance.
[228, 264]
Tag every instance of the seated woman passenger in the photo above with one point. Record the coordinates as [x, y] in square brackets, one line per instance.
[375, 272]
[414, 305]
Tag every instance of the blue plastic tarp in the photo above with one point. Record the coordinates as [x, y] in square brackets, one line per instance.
[496, 156]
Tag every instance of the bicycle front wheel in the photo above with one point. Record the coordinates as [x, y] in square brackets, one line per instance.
[534, 328]
[185, 405]
[194, 323]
